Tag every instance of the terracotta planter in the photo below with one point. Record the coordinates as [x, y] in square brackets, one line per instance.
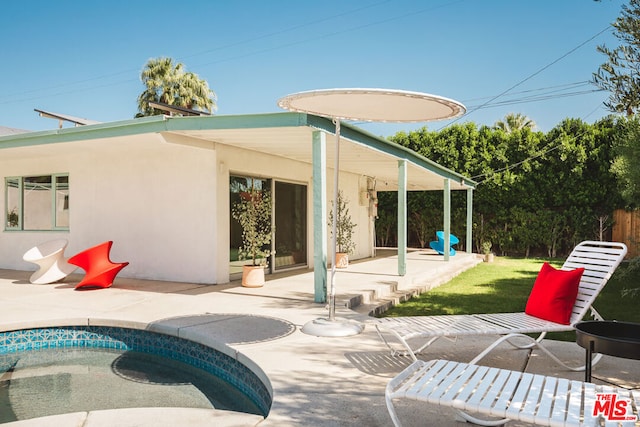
[252, 276]
[488, 257]
[342, 260]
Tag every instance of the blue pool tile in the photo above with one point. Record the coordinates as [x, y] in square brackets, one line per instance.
[123, 339]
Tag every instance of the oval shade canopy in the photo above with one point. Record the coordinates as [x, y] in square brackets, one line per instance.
[373, 105]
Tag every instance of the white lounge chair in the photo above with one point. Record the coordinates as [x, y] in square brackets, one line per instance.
[51, 262]
[511, 395]
[599, 259]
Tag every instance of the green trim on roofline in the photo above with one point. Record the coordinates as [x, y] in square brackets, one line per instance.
[156, 124]
[153, 124]
[80, 133]
[378, 143]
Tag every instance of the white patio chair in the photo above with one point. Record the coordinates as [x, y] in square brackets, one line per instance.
[599, 259]
[52, 265]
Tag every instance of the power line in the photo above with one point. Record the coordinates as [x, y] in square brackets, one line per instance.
[235, 44]
[515, 165]
[550, 147]
[557, 87]
[525, 100]
[283, 31]
[490, 102]
[331, 34]
[607, 28]
[204, 52]
[537, 98]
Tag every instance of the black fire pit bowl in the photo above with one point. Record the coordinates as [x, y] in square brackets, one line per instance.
[620, 339]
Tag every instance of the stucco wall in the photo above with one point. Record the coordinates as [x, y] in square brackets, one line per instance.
[250, 163]
[234, 161]
[351, 185]
[154, 199]
[164, 204]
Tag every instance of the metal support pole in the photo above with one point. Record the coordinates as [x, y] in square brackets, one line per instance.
[469, 243]
[402, 217]
[334, 225]
[319, 143]
[447, 219]
[330, 327]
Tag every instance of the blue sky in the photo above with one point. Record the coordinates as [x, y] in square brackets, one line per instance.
[84, 58]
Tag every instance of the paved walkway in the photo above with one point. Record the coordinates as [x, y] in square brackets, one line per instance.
[316, 381]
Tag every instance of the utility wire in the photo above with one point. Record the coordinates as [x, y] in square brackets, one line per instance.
[550, 147]
[250, 40]
[515, 165]
[548, 92]
[332, 34]
[607, 28]
[490, 103]
[204, 52]
[524, 100]
[538, 98]
[556, 87]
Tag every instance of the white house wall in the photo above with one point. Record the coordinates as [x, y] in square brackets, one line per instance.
[155, 200]
[164, 204]
[350, 185]
[234, 161]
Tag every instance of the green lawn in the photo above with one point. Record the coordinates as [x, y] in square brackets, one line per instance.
[504, 286]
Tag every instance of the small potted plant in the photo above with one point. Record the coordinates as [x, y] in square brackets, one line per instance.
[344, 231]
[486, 251]
[12, 218]
[253, 212]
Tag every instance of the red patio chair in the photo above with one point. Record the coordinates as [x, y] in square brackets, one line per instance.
[100, 271]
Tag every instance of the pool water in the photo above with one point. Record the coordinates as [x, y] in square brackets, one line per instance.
[58, 381]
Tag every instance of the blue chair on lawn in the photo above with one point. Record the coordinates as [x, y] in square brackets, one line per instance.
[438, 245]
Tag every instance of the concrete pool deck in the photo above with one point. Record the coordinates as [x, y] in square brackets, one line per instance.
[316, 381]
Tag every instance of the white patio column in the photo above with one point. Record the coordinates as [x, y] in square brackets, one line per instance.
[319, 156]
[402, 217]
[447, 219]
[469, 244]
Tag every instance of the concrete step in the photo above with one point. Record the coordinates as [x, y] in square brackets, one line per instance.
[373, 302]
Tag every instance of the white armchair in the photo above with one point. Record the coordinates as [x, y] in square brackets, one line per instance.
[52, 265]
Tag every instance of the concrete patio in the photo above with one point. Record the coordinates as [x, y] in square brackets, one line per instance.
[316, 381]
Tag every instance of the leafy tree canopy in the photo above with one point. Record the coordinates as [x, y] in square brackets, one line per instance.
[537, 192]
[620, 74]
[626, 164]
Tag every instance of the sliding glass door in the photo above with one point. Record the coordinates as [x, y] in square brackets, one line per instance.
[290, 217]
[291, 225]
[239, 187]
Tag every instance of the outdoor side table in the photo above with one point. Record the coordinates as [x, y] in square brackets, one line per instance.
[619, 339]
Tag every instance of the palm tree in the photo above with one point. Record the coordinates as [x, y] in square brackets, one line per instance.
[513, 122]
[168, 83]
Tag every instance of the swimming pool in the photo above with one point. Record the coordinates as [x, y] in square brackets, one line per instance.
[128, 353]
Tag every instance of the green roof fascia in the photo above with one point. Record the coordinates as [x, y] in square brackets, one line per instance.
[375, 142]
[244, 121]
[80, 133]
[155, 124]
[152, 124]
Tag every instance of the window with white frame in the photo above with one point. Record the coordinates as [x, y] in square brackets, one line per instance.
[39, 202]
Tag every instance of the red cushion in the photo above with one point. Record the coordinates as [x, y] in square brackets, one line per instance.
[554, 294]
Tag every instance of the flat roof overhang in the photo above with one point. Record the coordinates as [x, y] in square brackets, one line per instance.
[287, 135]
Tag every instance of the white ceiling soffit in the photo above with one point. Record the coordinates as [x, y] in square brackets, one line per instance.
[295, 143]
